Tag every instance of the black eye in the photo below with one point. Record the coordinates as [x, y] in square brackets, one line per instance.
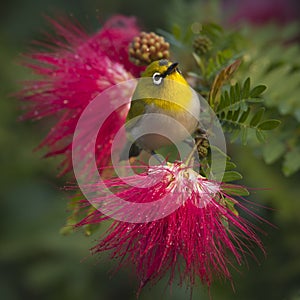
[157, 78]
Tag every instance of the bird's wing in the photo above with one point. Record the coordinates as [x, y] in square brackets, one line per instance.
[137, 108]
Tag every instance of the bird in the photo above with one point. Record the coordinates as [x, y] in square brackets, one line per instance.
[160, 109]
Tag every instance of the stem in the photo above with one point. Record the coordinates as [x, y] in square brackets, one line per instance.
[195, 148]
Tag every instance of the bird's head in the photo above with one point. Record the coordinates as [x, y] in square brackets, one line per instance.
[161, 69]
[162, 85]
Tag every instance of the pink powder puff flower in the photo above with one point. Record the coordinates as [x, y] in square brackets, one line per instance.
[200, 237]
[72, 70]
[262, 12]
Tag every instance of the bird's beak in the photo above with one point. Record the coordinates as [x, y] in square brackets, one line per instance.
[170, 69]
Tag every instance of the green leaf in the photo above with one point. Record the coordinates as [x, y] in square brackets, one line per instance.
[231, 176]
[246, 89]
[234, 135]
[229, 115]
[236, 115]
[257, 91]
[237, 90]
[291, 162]
[269, 124]
[226, 99]
[244, 135]
[257, 117]
[225, 222]
[236, 190]
[260, 136]
[273, 150]
[212, 29]
[244, 116]
[198, 60]
[233, 97]
[230, 205]
[230, 165]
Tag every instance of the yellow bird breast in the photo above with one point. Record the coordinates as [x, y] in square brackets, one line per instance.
[163, 114]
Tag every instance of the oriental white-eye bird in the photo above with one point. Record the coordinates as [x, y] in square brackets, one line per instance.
[164, 109]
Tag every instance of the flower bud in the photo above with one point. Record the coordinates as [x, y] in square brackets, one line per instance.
[148, 47]
[202, 44]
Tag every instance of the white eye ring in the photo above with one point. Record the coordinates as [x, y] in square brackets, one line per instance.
[157, 78]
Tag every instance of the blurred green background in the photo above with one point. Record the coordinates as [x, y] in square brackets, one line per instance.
[36, 262]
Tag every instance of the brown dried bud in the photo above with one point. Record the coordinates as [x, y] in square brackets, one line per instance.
[148, 47]
[202, 44]
[202, 143]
